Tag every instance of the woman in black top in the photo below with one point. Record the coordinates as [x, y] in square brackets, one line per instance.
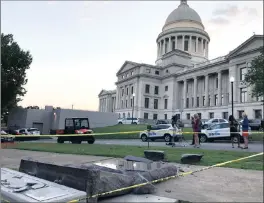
[233, 130]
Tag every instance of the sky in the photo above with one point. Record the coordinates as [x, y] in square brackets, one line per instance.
[78, 46]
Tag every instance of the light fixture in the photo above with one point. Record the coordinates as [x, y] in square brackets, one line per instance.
[232, 79]
[133, 94]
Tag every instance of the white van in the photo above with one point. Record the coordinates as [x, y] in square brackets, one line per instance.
[128, 121]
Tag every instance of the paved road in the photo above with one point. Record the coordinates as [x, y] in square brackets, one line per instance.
[253, 147]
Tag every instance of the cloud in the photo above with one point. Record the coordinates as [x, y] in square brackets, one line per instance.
[231, 10]
[219, 21]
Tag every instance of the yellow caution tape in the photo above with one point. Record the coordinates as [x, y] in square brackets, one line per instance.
[165, 179]
[159, 180]
[113, 133]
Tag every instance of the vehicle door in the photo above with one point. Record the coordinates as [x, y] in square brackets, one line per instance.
[224, 130]
[163, 129]
[214, 131]
[22, 132]
[153, 131]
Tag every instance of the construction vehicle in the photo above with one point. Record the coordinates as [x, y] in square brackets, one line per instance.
[76, 126]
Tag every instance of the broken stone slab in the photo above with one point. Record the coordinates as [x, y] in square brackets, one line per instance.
[79, 177]
[154, 155]
[155, 174]
[70, 176]
[191, 158]
[138, 159]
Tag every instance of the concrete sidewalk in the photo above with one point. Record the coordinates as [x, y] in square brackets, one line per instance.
[213, 185]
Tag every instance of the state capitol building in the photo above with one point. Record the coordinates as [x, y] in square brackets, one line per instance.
[184, 81]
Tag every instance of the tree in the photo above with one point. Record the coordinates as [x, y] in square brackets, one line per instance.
[14, 63]
[255, 75]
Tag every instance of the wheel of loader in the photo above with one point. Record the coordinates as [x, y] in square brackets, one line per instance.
[91, 141]
[60, 140]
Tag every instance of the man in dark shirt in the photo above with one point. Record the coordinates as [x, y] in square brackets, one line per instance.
[233, 130]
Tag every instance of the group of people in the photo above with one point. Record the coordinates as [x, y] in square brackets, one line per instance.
[234, 131]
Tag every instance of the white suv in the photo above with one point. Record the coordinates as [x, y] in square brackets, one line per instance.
[128, 121]
[161, 131]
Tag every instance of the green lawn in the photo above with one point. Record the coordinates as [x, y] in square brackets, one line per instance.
[129, 128]
[211, 157]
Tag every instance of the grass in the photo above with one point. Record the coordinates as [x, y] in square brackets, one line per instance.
[211, 157]
[128, 128]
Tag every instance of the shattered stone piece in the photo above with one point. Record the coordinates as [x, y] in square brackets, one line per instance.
[155, 155]
[191, 158]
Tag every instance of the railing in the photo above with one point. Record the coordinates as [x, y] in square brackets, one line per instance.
[221, 58]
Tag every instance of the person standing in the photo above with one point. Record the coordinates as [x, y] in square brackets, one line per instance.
[196, 130]
[245, 126]
[233, 131]
[192, 122]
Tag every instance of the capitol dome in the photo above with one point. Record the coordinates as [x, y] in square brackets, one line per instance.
[183, 12]
[184, 31]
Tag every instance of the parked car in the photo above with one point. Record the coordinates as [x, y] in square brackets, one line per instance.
[6, 139]
[255, 124]
[27, 131]
[161, 131]
[213, 121]
[128, 121]
[220, 131]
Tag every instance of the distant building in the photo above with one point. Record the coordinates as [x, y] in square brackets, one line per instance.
[52, 119]
[184, 81]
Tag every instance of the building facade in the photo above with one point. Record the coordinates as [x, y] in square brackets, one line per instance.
[53, 119]
[184, 81]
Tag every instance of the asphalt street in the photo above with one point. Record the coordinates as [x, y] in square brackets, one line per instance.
[253, 146]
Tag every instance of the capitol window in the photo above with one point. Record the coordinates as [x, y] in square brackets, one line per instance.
[243, 95]
[186, 43]
[148, 70]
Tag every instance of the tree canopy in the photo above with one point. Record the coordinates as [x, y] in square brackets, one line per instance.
[255, 75]
[14, 63]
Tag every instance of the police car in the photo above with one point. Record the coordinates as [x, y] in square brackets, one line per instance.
[161, 131]
[220, 131]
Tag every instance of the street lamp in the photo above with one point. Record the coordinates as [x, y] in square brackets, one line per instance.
[133, 106]
[232, 79]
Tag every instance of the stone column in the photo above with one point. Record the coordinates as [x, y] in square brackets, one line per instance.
[207, 43]
[190, 43]
[197, 43]
[219, 91]
[157, 50]
[184, 93]
[176, 41]
[164, 43]
[183, 37]
[195, 91]
[206, 90]
[175, 95]
[170, 45]
[117, 96]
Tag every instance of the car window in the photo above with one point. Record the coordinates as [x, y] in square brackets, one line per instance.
[154, 127]
[163, 126]
[224, 125]
[22, 131]
[32, 129]
[215, 121]
[215, 126]
[222, 120]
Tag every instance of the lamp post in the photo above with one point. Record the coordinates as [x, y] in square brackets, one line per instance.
[133, 106]
[232, 79]
[262, 109]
